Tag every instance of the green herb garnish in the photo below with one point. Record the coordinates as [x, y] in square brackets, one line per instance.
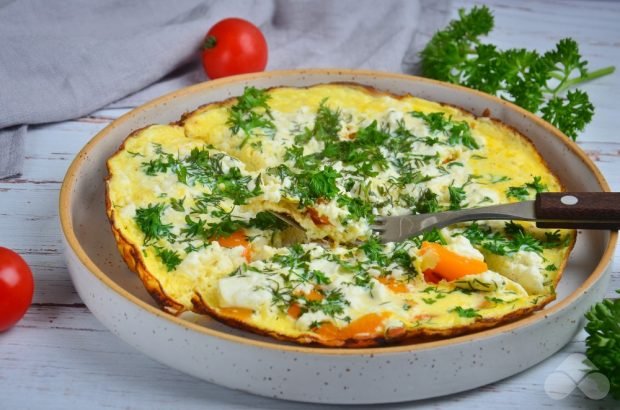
[177, 204]
[457, 132]
[251, 111]
[357, 207]
[332, 304]
[149, 221]
[427, 202]
[429, 236]
[205, 168]
[373, 249]
[468, 313]
[327, 123]
[534, 81]
[457, 197]
[515, 239]
[267, 221]
[170, 258]
[603, 341]
[309, 186]
[524, 191]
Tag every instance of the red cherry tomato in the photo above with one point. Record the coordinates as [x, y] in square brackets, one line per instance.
[16, 288]
[233, 46]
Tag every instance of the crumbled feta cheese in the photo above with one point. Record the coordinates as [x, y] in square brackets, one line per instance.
[522, 267]
[461, 245]
[307, 319]
[248, 292]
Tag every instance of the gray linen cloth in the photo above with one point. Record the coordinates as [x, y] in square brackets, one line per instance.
[65, 59]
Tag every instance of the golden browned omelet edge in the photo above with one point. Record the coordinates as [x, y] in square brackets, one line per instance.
[132, 255]
[130, 251]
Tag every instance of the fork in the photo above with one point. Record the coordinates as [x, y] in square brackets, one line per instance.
[586, 210]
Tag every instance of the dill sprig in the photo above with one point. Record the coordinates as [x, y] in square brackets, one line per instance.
[149, 221]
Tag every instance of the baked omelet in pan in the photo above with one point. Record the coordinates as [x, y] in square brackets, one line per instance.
[188, 203]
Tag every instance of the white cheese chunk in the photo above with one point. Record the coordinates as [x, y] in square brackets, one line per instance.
[328, 268]
[307, 319]
[478, 195]
[243, 292]
[214, 259]
[461, 245]
[522, 267]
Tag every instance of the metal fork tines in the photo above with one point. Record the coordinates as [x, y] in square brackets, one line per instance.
[398, 228]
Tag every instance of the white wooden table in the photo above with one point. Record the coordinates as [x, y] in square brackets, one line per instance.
[60, 356]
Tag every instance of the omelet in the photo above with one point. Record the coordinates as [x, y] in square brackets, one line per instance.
[191, 206]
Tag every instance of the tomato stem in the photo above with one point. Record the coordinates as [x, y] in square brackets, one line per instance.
[209, 43]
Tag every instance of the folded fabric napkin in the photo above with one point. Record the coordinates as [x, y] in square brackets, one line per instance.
[65, 59]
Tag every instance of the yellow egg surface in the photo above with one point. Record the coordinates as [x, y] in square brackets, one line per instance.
[189, 205]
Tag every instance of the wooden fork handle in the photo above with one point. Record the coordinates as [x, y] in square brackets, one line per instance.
[586, 210]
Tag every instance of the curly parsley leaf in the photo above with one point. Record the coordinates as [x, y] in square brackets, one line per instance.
[603, 341]
[531, 80]
[571, 113]
[322, 184]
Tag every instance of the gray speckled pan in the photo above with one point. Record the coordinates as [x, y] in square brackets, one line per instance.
[232, 358]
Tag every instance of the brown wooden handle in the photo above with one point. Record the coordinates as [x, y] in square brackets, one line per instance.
[587, 210]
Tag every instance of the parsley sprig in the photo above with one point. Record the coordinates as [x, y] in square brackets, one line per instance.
[534, 81]
[603, 341]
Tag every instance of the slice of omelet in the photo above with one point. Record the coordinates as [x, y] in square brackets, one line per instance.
[190, 208]
[182, 211]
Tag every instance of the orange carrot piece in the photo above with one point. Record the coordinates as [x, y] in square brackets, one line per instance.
[314, 295]
[394, 285]
[329, 331]
[451, 265]
[317, 218]
[294, 310]
[367, 325]
[235, 239]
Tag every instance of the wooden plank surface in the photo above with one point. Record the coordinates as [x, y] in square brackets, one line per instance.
[60, 356]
